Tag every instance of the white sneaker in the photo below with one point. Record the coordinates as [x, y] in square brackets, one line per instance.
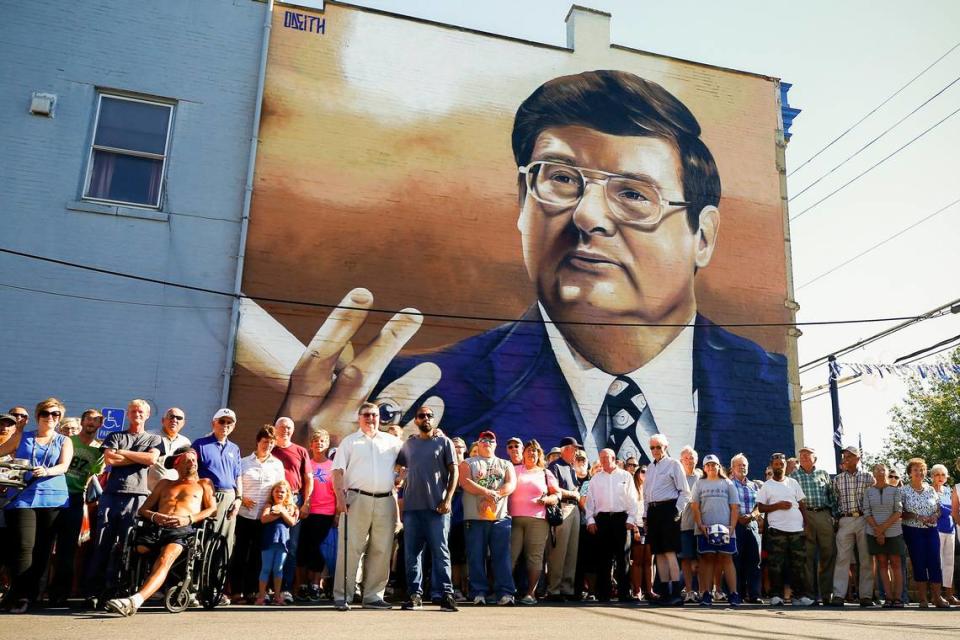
[776, 601]
[690, 596]
[286, 595]
[480, 600]
[506, 601]
[802, 602]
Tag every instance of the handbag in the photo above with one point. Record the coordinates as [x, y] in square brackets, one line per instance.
[554, 512]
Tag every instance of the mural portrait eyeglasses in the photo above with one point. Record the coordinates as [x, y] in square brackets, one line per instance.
[631, 200]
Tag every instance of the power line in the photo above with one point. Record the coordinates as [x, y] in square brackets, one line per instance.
[111, 300]
[879, 244]
[307, 303]
[944, 309]
[864, 147]
[919, 353]
[860, 377]
[874, 166]
[872, 111]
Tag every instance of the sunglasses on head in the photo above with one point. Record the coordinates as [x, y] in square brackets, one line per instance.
[49, 414]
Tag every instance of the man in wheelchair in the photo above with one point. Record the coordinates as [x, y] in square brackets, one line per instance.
[169, 515]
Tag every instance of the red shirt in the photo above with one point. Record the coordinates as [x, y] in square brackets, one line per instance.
[296, 462]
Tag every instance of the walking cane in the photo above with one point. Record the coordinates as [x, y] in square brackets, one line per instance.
[346, 547]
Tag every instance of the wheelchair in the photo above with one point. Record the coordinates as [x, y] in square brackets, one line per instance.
[199, 572]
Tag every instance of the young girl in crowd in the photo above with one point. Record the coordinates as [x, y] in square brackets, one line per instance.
[279, 514]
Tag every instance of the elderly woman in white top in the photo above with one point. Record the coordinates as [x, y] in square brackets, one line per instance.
[259, 472]
[946, 528]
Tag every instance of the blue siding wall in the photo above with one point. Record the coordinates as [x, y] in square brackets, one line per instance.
[95, 340]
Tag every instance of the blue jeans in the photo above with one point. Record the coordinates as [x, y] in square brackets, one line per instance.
[747, 560]
[493, 536]
[425, 527]
[271, 561]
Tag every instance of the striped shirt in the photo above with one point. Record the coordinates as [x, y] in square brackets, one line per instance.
[849, 489]
[257, 480]
[746, 495]
[881, 504]
[816, 486]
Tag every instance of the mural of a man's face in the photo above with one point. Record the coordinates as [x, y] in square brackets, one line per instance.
[584, 260]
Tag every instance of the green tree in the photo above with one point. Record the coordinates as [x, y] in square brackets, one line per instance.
[927, 423]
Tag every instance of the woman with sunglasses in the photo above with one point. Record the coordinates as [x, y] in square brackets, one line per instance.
[33, 514]
[536, 488]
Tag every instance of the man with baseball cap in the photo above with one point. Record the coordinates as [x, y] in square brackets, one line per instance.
[218, 460]
[515, 450]
[849, 485]
[818, 527]
[487, 481]
[562, 558]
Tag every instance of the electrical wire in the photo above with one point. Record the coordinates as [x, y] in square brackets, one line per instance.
[878, 245]
[874, 166]
[111, 300]
[858, 379]
[864, 147]
[874, 110]
[323, 305]
[938, 312]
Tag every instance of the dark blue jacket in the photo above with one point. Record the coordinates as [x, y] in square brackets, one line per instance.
[508, 380]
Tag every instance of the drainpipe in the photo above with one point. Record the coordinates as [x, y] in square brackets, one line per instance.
[245, 216]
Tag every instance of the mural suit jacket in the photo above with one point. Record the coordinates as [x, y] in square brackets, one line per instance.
[508, 380]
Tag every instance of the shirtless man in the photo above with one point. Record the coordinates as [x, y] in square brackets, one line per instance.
[173, 508]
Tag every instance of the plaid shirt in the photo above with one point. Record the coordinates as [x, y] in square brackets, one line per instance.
[849, 489]
[816, 486]
[746, 495]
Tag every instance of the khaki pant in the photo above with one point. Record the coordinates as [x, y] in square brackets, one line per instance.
[529, 535]
[820, 542]
[562, 557]
[226, 527]
[369, 528]
[852, 532]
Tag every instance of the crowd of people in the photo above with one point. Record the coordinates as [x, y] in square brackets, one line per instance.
[389, 519]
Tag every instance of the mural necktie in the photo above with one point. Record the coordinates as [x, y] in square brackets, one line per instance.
[631, 421]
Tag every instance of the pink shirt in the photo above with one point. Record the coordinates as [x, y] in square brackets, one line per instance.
[323, 500]
[531, 484]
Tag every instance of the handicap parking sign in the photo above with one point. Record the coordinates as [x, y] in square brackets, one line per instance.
[112, 423]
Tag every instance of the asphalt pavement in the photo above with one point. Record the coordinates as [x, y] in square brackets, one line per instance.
[490, 623]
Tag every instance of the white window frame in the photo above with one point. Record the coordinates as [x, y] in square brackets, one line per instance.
[140, 154]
